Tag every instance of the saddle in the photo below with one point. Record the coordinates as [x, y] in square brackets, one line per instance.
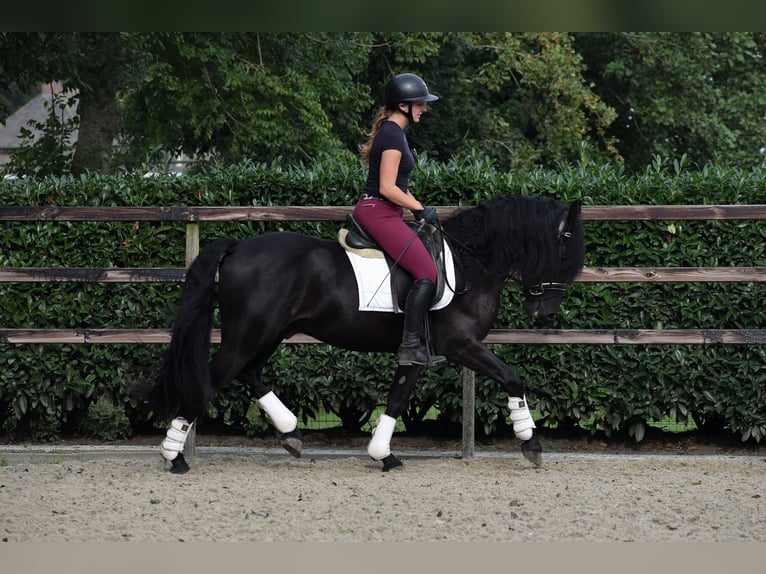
[354, 238]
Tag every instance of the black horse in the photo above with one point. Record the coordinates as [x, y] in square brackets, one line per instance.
[276, 285]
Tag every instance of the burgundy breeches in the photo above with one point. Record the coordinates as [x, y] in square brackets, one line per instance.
[383, 221]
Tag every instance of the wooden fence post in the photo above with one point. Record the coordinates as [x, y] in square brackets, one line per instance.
[469, 411]
[192, 242]
[192, 250]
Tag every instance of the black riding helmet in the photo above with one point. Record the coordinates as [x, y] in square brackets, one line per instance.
[407, 88]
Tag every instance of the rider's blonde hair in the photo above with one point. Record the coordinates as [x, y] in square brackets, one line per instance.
[380, 117]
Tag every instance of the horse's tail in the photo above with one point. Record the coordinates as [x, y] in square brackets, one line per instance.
[183, 384]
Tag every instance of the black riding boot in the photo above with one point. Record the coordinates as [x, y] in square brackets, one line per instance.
[413, 350]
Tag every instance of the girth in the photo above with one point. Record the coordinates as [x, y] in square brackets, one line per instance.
[357, 239]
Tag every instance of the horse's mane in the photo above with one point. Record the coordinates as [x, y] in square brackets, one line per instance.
[517, 236]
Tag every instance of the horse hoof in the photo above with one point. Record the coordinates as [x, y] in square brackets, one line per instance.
[292, 442]
[533, 451]
[535, 457]
[179, 465]
[391, 463]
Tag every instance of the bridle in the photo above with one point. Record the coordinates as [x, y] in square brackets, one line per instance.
[538, 291]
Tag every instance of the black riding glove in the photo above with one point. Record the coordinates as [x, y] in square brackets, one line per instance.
[427, 214]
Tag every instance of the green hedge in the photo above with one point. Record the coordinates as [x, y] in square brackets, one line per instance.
[49, 390]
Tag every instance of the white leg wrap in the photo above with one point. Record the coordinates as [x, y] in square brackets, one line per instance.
[281, 417]
[521, 417]
[380, 444]
[173, 442]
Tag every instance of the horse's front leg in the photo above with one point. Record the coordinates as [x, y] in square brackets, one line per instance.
[477, 357]
[398, 397]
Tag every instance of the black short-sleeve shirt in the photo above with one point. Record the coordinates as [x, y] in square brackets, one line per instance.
[390, 136]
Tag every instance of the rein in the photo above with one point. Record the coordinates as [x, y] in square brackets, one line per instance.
[466, 248]
[462, 245]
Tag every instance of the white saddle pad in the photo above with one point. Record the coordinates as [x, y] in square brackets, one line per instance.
[374, 282]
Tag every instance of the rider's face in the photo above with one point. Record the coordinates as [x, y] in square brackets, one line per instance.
[418, 109]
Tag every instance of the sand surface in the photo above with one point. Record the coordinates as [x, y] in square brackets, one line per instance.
[491, 497]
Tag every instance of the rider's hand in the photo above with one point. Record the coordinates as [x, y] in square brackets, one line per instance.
[427, 214]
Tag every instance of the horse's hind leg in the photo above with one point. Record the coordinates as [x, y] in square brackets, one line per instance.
[280, 416]
[172, 447]
[379, 447]
[284, 421]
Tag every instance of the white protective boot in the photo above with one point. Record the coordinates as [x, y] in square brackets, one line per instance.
[521, 418]
[173, 443]
[281, 417]
[380, 444]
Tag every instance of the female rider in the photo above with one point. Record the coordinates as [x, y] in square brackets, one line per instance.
[386, 196]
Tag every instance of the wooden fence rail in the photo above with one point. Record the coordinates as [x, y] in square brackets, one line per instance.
[194, 216]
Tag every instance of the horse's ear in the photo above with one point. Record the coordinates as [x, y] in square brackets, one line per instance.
[567, 223]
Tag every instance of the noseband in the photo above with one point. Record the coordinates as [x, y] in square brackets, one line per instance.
[537, 291]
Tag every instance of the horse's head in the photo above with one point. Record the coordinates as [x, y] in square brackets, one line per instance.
[536, 242]
[542, 299]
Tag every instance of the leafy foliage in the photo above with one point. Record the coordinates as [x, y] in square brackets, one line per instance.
[521, 99]
[255, 96]
[694, 93]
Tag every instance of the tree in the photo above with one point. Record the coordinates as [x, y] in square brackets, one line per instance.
[232, 96]
[521, 99]
[97, 77]
[257, 96]
[90, 64]
[699, 94]
[518, 98]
